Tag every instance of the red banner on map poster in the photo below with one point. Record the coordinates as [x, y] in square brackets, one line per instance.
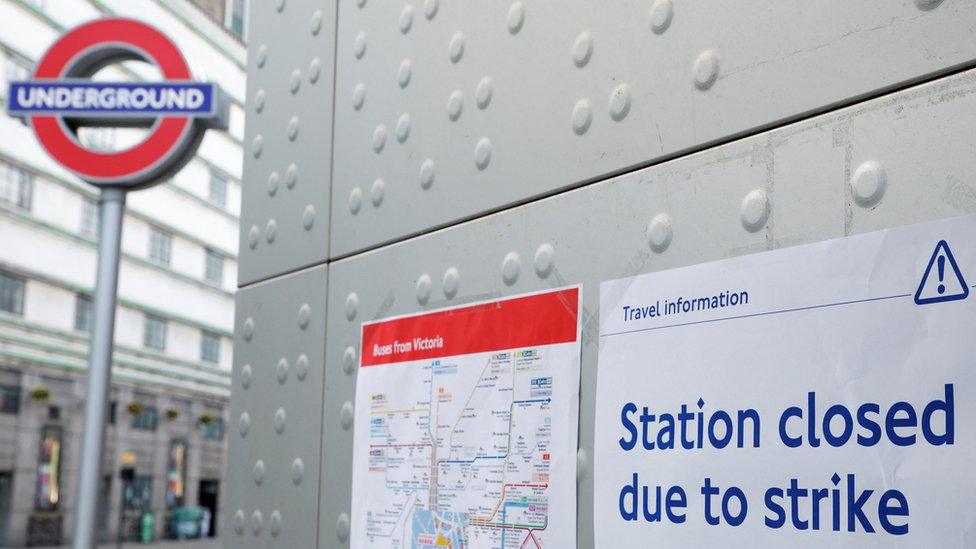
[540, 319]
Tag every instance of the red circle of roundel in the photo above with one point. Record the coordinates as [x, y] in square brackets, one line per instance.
[166, 135]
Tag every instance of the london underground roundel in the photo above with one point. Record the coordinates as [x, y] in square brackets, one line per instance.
[62, 97]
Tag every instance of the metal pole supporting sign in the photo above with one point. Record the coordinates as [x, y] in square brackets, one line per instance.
[177, 112]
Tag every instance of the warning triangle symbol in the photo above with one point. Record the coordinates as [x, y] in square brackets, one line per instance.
[942, 280]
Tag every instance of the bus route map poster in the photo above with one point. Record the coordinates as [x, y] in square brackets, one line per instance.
[466, 426]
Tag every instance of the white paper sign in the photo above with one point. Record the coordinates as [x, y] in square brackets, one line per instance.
[816, 396]
[466, 427]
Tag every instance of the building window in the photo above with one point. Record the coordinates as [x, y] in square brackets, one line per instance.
[176, 474]
[213, 429]
[210, 347]
[9, 400]
[218, 190]
[83, 313]
[89, 218]
[145, 420]
[49, 470]
[97, 139]
[214, 268]
[160, 243]
[139, 493]
[16, 187]
[154, 333]
[12, 293]
[113, 412]
[235, 19]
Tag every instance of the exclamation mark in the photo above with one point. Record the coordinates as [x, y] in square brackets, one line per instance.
[942, 287]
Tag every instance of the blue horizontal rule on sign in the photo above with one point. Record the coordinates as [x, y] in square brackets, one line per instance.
[112, 99]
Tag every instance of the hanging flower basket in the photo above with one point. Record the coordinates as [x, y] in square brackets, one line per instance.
[172, 413]
[206, 418]
[40, 393]
[135, 407]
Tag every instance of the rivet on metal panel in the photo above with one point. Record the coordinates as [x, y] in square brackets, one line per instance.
[706, 70]
[246, 375]
[259, 98]
[262, 56]
[456, 48]
[510, 268]
[403, 127]
[257, 521]
[291, 175]
[583, 49]
[258, 472]
[927, 4]
[282, 370]
[280, 5]
[754, 210]
[297, 471]
[293, 128]
[659, 232]
[316, 22]
[244, 424]
[516, 17]
[543, 260]
[355, 200]
[301, 367]
[582, 116]
[239, 521]
[314, 70]
[619, 104]
[451, 282]
[275, 523]
[406, 19]
[342, 527]
[427, 173]
[377, 191]
[270, 230]
[868, 183]
[252, 236]
[482, 153]
[345, 415]
[349, 360]
[248, 329]
[455, 104]
[379, 138]
[661, 13]
[272, 183]
[296, 81]
[352, 305]
[359, 45]
[582, 464]
[279, 421]
[404, 73]
[430, 8]
[423, 288]
[358, 96]
[483, 93]
[308, 217]
[257, 146]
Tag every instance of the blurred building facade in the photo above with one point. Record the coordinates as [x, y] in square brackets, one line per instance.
[171, 368]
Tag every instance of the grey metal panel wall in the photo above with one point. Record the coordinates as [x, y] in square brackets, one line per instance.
[447, 110]
[892, 161]
[486, 105]
[276, 412]
[288, 137]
